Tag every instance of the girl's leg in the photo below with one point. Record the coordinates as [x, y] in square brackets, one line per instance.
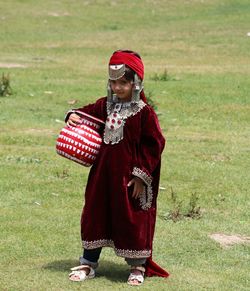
[91, 257]
[137, 271]
[136, 262]
[89, 262]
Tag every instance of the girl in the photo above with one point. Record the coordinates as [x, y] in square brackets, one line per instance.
[120, 197]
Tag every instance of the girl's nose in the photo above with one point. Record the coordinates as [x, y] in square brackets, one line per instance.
[117, 87]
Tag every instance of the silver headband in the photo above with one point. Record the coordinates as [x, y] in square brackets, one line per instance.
[116, 71]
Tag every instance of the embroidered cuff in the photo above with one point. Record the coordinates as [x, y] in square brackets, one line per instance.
[146, 197]
[144, 176]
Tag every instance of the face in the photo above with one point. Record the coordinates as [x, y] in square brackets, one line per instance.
[122, 88]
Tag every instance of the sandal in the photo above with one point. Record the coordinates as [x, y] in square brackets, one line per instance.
[81, 273]
[136, 279]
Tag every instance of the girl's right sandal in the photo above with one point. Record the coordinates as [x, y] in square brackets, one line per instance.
[81, 273]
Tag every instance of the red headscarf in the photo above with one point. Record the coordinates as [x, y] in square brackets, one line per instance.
[132, 60]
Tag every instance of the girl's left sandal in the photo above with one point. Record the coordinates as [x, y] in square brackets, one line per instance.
[136, 279]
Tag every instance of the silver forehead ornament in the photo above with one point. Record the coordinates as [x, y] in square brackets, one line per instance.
[116, 71]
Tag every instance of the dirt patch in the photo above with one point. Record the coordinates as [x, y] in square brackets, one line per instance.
[57, 14]
[11, 65]
[229, 240]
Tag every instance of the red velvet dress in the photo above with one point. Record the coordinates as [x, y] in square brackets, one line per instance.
[111, 217]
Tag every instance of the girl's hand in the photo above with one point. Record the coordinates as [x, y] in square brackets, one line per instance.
[74, 119]
[138, 187]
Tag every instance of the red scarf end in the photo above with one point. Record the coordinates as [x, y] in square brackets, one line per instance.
[152, 269]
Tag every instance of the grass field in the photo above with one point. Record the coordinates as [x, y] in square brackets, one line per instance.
[56, 52]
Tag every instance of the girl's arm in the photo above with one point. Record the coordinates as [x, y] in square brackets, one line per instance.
[149, 153]
[151, 145]
[97, 109]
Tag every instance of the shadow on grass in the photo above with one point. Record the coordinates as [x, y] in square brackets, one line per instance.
[113, 271]
[61, 266]
[110, 270]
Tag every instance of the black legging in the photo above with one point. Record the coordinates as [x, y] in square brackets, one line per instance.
[94, 255]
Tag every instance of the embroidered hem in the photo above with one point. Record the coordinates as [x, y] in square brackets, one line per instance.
[119, 252]
[146, 197]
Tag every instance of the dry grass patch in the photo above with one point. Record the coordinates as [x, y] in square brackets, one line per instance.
[12, 65]
[229, 240]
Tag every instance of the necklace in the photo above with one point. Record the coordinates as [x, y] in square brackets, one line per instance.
[118, 112]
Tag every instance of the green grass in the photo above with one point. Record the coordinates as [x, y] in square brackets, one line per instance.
[64, 47]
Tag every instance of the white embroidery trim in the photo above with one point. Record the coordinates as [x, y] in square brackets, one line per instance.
[146, 197]
[126, 110]
[119, 252]
[144, 176]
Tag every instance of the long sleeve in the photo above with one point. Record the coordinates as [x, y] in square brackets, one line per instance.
[97, 109]
[149, 156]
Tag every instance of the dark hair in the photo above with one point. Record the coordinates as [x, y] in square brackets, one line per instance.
[129, 74]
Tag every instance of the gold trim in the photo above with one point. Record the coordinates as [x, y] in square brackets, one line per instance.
[119, 252]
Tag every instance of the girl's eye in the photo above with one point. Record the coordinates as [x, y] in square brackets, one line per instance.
[120, 82]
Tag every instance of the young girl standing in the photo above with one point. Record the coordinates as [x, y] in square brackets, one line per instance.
[122, 188]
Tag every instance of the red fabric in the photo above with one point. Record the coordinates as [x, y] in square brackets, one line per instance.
[111, 217]
[152, 269]
[129, 59]
[132, 61]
